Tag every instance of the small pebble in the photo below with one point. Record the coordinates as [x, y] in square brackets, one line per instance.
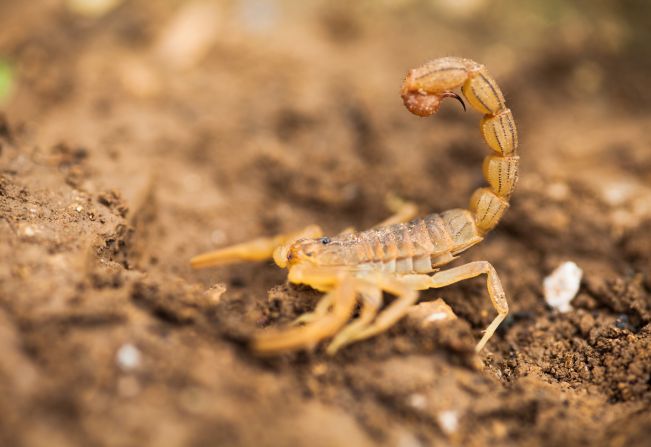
[128, 357]
[417, 401]
[449, 421]
[562, 285]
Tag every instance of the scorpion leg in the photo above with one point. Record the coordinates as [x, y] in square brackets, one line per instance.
[401, 209]
[347, 230]
[321, 309]
[467, 271]
[343, 304]
[371, 303]
[319, 278]
[255, 250]
[406, 297]
[277, 246]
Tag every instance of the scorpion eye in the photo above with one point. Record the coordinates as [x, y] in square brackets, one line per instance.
[325, 240]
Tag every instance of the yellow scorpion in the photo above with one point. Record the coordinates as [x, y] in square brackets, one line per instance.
[399, 256]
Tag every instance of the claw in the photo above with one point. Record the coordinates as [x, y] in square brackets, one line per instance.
[455, 96]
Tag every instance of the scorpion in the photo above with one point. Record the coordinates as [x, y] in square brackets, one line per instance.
[403, 254]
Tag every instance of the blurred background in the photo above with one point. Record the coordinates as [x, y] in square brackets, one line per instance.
[589, 44]
[226, 83]
[52, 50]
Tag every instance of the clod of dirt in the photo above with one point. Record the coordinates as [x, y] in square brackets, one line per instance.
[113, 200]
[430, 312]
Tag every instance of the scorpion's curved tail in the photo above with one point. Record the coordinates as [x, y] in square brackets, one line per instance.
[422, 92]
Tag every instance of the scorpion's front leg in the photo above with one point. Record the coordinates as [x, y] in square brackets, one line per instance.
[277, 247]
[467, 271]
[371, 301]
[319, 278]
[342, 299]
[256, 250]
[365, 326]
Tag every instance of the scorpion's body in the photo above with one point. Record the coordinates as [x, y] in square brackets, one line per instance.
[418, 246]
[397, 257]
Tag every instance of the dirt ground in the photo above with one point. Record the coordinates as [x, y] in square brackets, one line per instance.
[136, 136]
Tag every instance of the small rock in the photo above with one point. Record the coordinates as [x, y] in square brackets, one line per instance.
[448, 421]
[562, 285]
[417, 401]
[128, 357]
[29, 231]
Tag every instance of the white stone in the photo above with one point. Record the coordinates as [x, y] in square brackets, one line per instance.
[128, 357]
[448, 421]
[562, 285]
[437, 316]
[417, 401]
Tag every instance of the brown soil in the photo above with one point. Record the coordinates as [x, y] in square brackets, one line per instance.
[123, 153]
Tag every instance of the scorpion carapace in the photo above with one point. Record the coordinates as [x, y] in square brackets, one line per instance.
[399, 256]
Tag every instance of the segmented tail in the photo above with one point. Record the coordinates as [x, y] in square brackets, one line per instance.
[422, 92]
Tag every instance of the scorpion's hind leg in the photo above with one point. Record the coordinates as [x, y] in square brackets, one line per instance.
[467, 271]
[342, 298]
[402, 210]
[256, 250]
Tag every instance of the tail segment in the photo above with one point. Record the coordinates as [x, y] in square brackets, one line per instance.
[422, 92]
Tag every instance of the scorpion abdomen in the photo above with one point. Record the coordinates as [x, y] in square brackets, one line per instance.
[417, 246]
